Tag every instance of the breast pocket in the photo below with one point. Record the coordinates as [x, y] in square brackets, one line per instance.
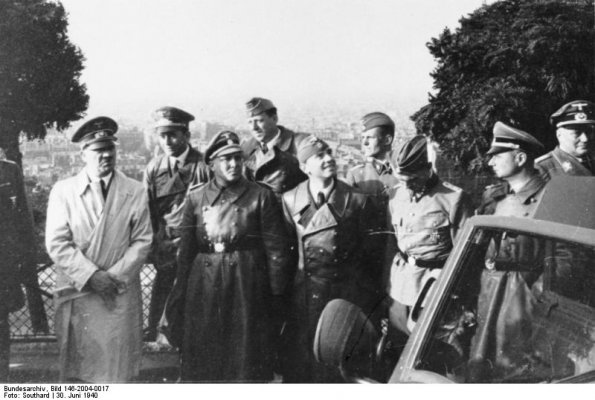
[437, 226]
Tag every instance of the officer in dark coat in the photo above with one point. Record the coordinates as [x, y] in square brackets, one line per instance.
[333, 225]
[167, 179]
[271, 152]
[575, 130]
[375, 178]
[502, 339]
[15, 235]
[233, 261]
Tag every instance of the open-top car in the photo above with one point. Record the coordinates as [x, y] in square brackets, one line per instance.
[514, 303]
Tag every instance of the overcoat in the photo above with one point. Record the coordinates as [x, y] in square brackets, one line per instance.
[98, 344]
[502, 343]
[377, 180]
[279, 169]
[233, 258]
[15, 234]
[336, 248]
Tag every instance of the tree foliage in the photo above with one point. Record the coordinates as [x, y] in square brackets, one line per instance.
[39, 72]
[515, 61]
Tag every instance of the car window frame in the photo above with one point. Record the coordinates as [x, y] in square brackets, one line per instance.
[405, 370]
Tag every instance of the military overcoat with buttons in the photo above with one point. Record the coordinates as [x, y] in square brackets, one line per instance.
[278, 168]
[233, 257]
[513, 263]
[336, 248]
[377, 180]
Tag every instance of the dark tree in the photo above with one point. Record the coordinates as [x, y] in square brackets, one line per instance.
[516, 61]
[39, 72]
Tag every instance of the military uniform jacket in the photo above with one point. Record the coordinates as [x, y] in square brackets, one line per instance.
[233, 256]
[427, 226]
[558, 162]
[15, 233]
[278, 169]
[167, 191]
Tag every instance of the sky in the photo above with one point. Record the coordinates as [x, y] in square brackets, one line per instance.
[210, 56]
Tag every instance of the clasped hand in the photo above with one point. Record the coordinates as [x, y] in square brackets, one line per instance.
[107, 286]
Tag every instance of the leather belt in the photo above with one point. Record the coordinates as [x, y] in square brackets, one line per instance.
[222, 247]
[429, 264]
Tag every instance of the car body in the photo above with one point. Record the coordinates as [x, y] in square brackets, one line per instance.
[529, 320]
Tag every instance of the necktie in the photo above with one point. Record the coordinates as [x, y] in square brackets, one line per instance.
[176, 162]
[264, 147]
[103, 189]
[320, 199]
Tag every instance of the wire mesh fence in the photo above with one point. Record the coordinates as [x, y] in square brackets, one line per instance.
[22, 322]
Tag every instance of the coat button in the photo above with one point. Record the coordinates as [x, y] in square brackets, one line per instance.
[321, 251]
[336, 260]
[334, 247]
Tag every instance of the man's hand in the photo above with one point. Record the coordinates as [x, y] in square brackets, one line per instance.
[107, 286]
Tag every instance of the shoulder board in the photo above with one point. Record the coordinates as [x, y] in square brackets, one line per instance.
[543, 157]
[196, 186]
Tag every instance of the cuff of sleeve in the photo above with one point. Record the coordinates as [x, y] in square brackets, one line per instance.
[82, 278]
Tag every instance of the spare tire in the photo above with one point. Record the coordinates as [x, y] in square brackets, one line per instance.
[345, 337]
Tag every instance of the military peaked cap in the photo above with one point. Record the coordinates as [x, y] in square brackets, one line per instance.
[413, 155]
[98, 132]
[222, 144]
[573, 113]
[311, 147]
[258, 105]
[171, 118]
[376, 119]
[507, 138]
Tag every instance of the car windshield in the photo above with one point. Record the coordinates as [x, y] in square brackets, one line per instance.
[522, 309]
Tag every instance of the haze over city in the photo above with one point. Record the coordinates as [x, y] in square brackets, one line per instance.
[314, 59]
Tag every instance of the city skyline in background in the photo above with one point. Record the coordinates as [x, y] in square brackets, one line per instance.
[321, 62]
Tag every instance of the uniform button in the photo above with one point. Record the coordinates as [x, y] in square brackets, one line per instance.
[237, 209]
[308, 274]
[234, 223]
[335, 260]
[321, 251]
[334, 247]
[315, 296]
[409, 230]
[533, 199]
[526, 214]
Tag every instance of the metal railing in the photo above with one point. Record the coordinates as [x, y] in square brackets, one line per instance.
[22, 327]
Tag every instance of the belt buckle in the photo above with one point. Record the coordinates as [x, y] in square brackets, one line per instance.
[490, 264]
[219, 247]
[411, 261]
